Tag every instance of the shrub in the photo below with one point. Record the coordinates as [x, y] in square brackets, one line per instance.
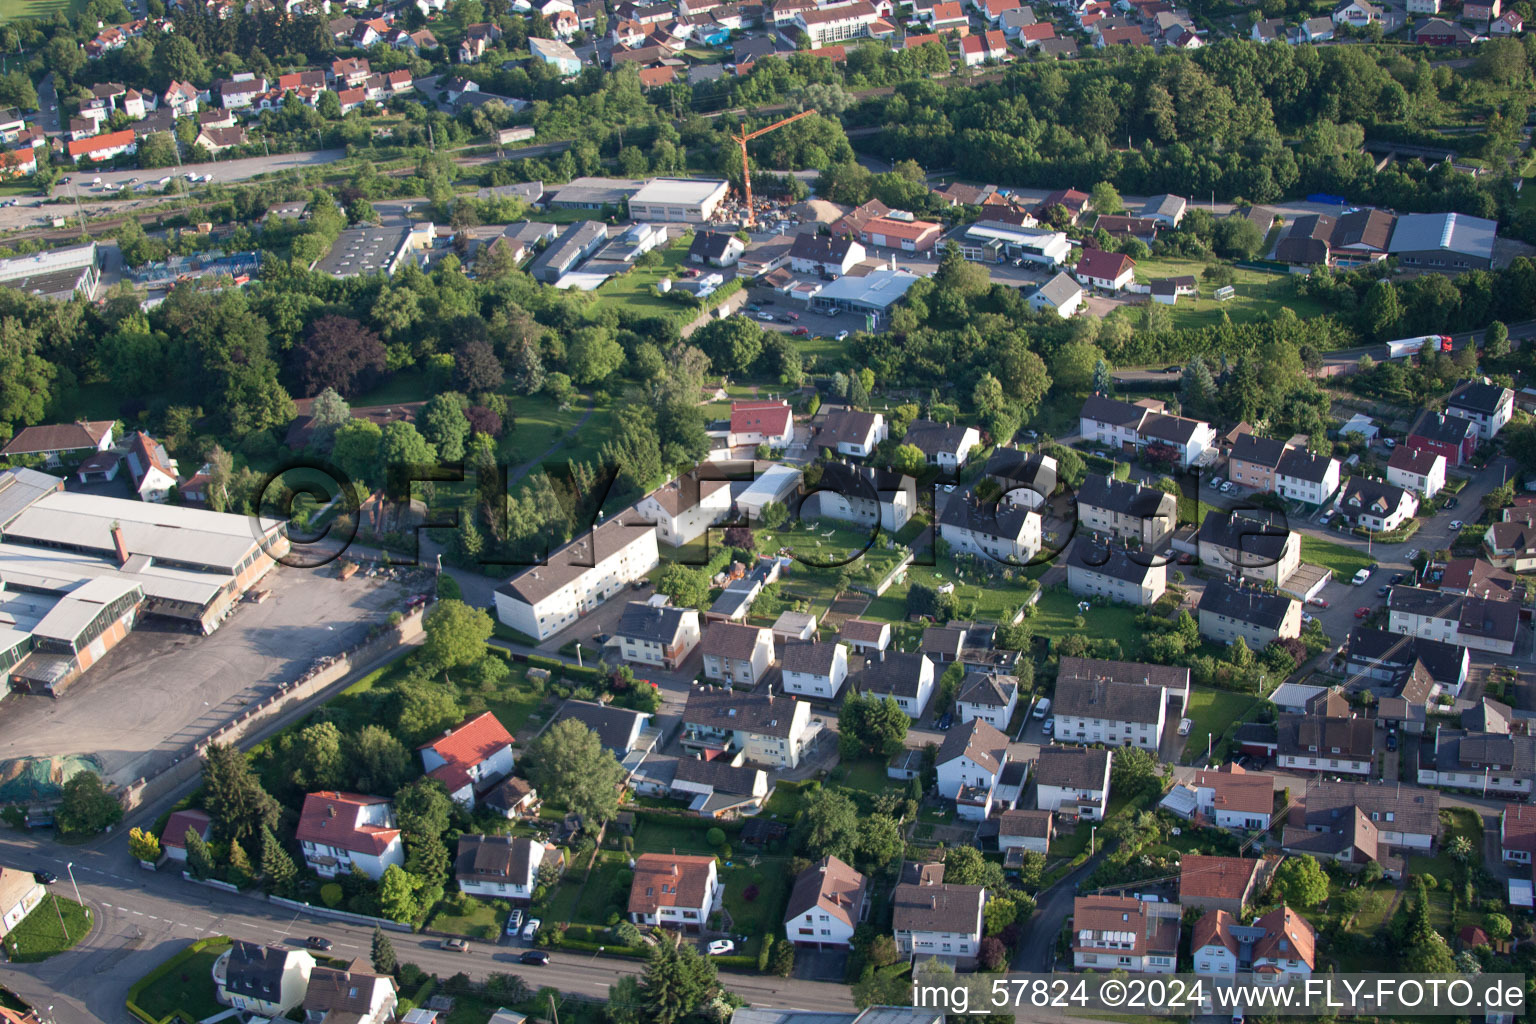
[331, 894]
[749, 893]
[715, 836]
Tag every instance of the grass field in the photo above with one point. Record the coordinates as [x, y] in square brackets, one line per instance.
[483, 919]
[636, 290]
[1454, 821]
[755, 896]
[1056, 615]
[1344, 561]
[188, 988]
[39, 936]
[17, 10]
[1214, 712]
[1257, 293]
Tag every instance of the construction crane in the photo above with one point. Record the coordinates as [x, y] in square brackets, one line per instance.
[746, 171]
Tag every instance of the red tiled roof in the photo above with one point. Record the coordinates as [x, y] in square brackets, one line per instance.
[1218, 878]
[469, 744]
[668, 880]
[58, 437]
[836, 54]
[1287, 936]
[948, 12]
[175, 832]
[112, 140]
[1105, 266]
[909, 230]
[1519, 827]
[330, 819]
[913, 42]
[771, 418]
[1037, 33]
[1214, 928]
[1237, 790]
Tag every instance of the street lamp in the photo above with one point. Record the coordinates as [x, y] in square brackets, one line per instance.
[70, 867]
[1093, 834]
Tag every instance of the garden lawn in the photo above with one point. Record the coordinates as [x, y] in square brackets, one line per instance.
[1344, 561]
[189, 988]
[988, 601]
[14, 10]
[1214, 712]
[39, 937]
[657, 837]
[636, 291]
[515, 702]
[601, 895]
[768, 886]
[1258, 293]
[1056, 614]
[1454, 821]
[482, 919]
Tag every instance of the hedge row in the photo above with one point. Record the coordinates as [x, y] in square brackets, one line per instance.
[154, 976]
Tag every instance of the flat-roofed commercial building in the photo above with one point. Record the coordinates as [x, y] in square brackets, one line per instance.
[689, 200]
[58, 274]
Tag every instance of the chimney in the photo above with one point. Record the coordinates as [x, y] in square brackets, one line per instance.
[120, 544]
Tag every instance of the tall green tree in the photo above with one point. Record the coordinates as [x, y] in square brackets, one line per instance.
[282, 874]
[456, 634]
[233, 795]
[569, 765]
[445, 425]
[383, 952]
[85, 806]
[199, 860]
[675, 983]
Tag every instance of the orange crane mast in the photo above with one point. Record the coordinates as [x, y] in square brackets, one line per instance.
[746, 171]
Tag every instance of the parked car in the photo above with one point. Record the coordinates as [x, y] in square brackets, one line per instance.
[535, 958]
[456, 945]
[765, 316]
[1226, 488]
[1383, 591]
[45, 877]
[800, 332]
[1306, 617]
[842, 335]
[1186, 724]
[1325, 519]
[1391, 741]
[946, 720]
[1043, 708]
[1361, 613]
[1173, 369]
[1317, 602]
[1049, 726]
[1398, 577]
[514, 923]
[1450, 502]
[1457, 524]
[794, 316]
[316, 942]
[531, 929]
[1361, 575]
[720, 947]
[1216, 482]
[1390, 443]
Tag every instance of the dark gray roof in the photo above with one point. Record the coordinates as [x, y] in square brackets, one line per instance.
[820, 248]
[1262, 451]
[1177, 429]
[1307, 241]
[1117, 563]
[256, 970]
[978, 740]
[1488, 715]
[992, 519]
[988, 690]
[732, 640]
[1170, 677]
[612, 725]
[1031, 470]
[946, 640]
[1475, 616]
[933, 437]
[721, 775]
[1112, 410]
[642, 621]
[1394, 650]
[1255, 536]
[494, 858]
[1125, 497]
[711, 245]
[897, 673]
[1413, 809]
[846, 425]
[1459, 750]
[1245, 604]
[1304, 465]
[1031, 824]
[719, 707]
[1438, 426]
[1477, 396]
[1063, 287]
[1374, 496]
[1115, 702]
[1071, 767]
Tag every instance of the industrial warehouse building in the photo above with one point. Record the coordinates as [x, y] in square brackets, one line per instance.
[58, 274]
[689, 200]
[76, 571]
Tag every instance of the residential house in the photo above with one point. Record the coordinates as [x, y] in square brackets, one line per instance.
[173, 838]
[736, 654]
[1279, 947]
[1127, 511]
[901, 231]
[513, 798]
[1338, 745]
[1351, 844]
[469, 758]
[720, 787]
[1510, 23]
[502, 867]
[988, 697]
[826, 905]
[684, 508]
[265, 980]
[1418, 470]
[1232, 798]
[217, 140]
[151, 471]
[1511, 543]
[1517, 833]
[1484, 403]
[825, 26]
[555, 53]
[1481, 623]
[1073, 780]
[1253, 543]
[1390, 658]
[1122, 933]
[1075, 204]
[908, 678]
[1407, 817]
[861, 495]
[1123, 226]
[103, 147]
[1440, 32]
[674, 890]
[544, 599]
[1218, 883]
[978, 49]
[1358, 13]
[52, 440]
[1110, 271]
[1231, 610]
[345, 832]
[1172, 680]
[1306, 476]
[1096, 569]
[828, 256]
[1497, 763]
[1423, 6]
[1449, 435]
[762, 422]
[620, 730]
[349, 995]
[771, 729]
[1097, 710]
[946, 445]
[1027, 478]
[1061, 293]
[657, 635]
[1026, 830]
[865, 636]
[241, 91]
[969, 762]
[20, 892]
[1376, 504]
[1002, 530]
[181, 98]
[938, 919]
[716, 248]
[1145, 424]
[852, 432]
[814, 669]
[1165, 208]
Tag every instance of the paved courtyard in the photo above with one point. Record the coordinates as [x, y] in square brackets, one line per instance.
[163, 688]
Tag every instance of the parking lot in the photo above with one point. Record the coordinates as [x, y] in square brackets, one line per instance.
[162, 688]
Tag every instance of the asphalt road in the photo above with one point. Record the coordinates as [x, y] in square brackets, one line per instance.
[142, 918]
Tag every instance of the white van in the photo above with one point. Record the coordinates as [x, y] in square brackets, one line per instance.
[1043, 708]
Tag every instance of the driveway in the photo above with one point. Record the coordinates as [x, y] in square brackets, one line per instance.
[1037, 952]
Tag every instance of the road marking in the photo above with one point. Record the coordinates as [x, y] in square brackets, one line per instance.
[152, 917]
[138, 913]
[107, 905]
